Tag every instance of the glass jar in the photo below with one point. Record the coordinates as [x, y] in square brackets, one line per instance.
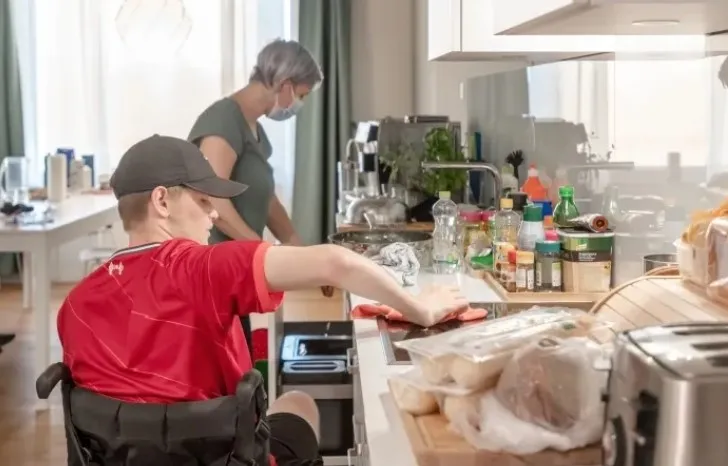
[548, 266]
[473, 233]
[524, 271]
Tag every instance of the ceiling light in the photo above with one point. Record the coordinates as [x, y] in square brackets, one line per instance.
[656, 22]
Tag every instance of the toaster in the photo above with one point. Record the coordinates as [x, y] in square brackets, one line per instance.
[666, 402]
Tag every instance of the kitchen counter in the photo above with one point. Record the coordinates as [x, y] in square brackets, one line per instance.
[386, 440]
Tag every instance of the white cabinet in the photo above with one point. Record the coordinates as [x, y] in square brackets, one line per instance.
[465, 30]
[633, 17]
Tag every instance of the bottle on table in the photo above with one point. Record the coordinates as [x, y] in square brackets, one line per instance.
[446, 252]
[533, 186]
[531, 229]
[566, 209]
[506, 223]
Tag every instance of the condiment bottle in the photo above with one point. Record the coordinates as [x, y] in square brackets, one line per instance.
[506, 223]
[500, 264]
[533, 187]
[531, 229]
[548, 266]
[566, 209]
[524, 271]
[510, 272]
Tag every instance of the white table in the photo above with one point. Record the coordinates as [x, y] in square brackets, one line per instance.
[74, 218]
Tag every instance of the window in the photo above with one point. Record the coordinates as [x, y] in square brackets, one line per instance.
[657, 107]
[89, 91]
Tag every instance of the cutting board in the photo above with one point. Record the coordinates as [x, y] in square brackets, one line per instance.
[642, 302]
[434, 444]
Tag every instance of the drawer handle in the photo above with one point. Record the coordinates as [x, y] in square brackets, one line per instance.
[352, 457]
[352, 365]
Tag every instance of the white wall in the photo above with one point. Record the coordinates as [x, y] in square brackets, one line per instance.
[382, 58]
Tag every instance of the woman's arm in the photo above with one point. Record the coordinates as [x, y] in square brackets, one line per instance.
[222, 158]
[279, 223]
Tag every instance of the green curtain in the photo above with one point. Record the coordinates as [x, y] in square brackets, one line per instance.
[11, 107]
[323, 126]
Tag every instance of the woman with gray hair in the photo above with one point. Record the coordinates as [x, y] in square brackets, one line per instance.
[232, 139]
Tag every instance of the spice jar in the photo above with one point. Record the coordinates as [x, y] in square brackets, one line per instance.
[548, 266]
[509, 282]
[524, 271]
[500, 264]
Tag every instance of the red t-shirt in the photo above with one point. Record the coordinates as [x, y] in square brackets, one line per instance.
[159, 323]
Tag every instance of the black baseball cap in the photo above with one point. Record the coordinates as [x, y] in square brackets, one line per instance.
[168, 161]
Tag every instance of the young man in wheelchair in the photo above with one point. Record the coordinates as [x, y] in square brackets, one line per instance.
[157, 326]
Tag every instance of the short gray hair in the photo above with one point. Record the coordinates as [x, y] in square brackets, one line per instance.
[286, 59]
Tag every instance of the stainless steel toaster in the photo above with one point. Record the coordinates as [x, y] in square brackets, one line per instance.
[667, 397]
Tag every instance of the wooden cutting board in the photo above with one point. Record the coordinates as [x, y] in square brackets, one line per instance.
[642, 302]
[434, 444]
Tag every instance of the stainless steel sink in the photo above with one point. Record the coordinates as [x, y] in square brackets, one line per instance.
[392, 332]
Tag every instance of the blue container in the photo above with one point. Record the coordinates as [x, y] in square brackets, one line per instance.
[89, 161]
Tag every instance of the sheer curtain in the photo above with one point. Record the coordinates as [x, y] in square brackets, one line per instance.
[91, 91]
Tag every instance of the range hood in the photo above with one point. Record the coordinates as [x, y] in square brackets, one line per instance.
[464, 31]
[621, 17]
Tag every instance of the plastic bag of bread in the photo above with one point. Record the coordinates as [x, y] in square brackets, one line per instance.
[717, 237]
[463, 412]
[553, 383]
[411, 397]
[473, 357]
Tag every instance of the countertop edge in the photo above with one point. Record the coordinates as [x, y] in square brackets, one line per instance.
[383, 424]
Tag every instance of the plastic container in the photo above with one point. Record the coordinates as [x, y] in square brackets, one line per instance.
[473, 356]
[533, 187]
[531, 229]
[446, 252]
[548, 266]
[692, 261]
[507, 223]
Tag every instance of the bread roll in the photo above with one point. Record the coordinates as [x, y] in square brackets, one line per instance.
[478, 375]
[412, 399]
[543, 385]
[463, 409]
[436, 370]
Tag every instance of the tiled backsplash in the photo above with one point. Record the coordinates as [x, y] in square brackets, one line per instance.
[569, 113]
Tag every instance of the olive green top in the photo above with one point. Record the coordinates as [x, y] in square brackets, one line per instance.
[225, 119]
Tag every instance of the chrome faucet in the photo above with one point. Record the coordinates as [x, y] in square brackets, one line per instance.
[472, 166]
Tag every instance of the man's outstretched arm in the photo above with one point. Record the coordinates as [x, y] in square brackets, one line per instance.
[290, 268]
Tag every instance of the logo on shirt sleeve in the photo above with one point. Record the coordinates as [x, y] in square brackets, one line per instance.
[117, 268]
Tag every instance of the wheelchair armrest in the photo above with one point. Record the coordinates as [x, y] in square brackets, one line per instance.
[50, 377]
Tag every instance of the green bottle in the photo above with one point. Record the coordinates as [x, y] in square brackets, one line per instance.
[566, 209]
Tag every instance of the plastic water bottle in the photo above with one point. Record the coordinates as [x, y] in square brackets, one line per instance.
[446, 254]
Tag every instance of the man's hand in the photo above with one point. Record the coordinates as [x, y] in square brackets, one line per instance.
[440, 302]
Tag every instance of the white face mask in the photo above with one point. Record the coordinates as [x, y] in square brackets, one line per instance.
[281, 114]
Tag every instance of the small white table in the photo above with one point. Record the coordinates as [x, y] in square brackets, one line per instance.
[74, 218]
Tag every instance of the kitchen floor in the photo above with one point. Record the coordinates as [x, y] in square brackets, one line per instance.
[30, 439]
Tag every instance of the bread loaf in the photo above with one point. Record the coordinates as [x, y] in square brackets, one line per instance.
[542, 385]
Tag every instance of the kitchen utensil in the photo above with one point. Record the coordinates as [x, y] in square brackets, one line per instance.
[653, 261]
[369, 243]
[376, 212]
[665, 401]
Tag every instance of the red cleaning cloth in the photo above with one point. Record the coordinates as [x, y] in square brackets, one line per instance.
[370, 311]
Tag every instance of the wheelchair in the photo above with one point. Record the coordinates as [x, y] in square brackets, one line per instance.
[101, 431]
